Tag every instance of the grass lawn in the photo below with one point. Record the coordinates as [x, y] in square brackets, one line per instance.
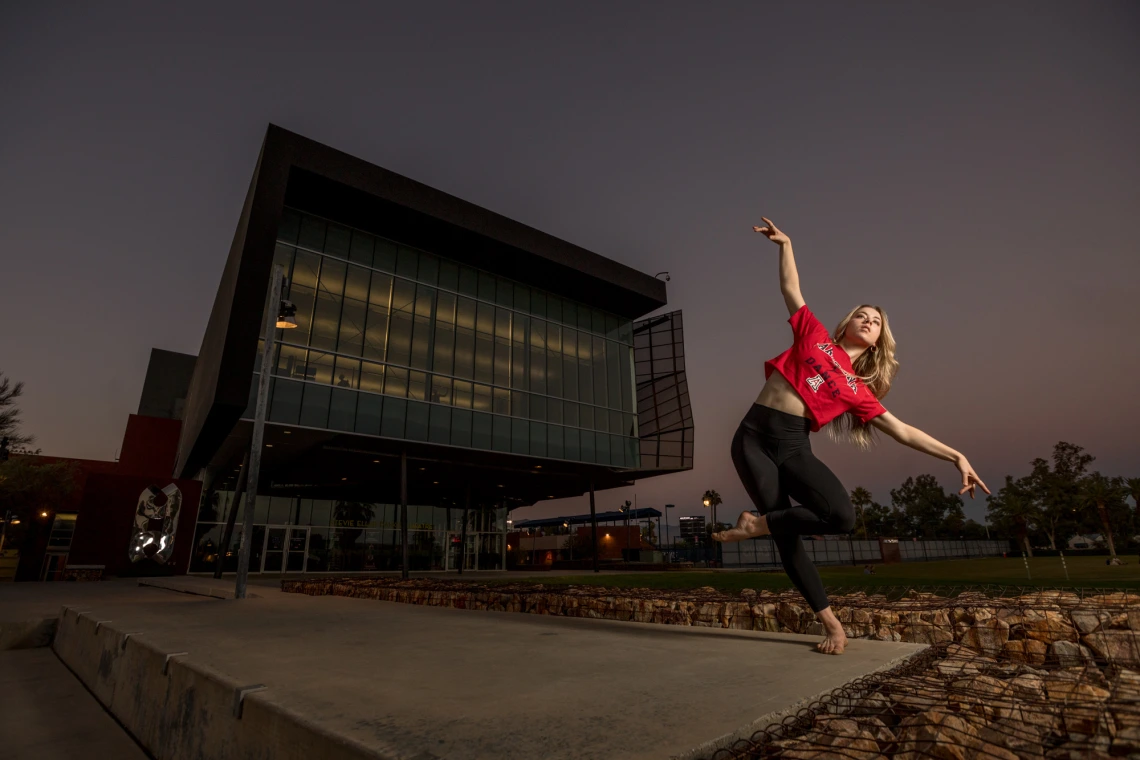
[1086, 572]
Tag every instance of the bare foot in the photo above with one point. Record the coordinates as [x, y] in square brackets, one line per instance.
[747, 526]
[835, 640]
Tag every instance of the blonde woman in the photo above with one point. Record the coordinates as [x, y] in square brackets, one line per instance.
[820, 381]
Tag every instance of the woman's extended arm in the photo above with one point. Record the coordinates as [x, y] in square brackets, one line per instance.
[789, 277]
[916, 439]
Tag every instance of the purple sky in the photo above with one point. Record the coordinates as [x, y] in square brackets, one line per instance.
[973, 167]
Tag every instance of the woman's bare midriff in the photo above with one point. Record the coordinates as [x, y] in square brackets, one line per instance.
[779, 394]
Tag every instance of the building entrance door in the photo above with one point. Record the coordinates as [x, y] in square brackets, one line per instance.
[456, 553]
[286, 549]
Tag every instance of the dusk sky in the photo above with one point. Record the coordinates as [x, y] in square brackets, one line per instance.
[973, 167]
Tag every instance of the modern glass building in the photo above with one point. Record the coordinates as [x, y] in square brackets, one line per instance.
[478, 364]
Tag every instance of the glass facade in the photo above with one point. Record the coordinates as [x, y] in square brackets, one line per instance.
[663, 410]
[403, 343]
[296, 534]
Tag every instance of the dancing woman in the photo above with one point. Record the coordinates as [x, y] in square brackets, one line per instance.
[819, 381]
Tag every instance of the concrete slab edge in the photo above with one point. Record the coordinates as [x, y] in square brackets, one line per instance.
[177, 708]
[707, 748]
[27, 634]
[212, 591]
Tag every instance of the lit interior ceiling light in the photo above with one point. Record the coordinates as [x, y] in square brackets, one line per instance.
[269, 445]
[285, 315]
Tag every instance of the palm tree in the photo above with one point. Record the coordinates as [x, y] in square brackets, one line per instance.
[710, 500]
[1098, 491]
[861, 499]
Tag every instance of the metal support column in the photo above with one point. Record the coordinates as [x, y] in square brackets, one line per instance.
[231, 518]
[593, 525]
[463, 528]
[404, 509]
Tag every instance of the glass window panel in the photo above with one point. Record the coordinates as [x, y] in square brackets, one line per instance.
[617, 451]
[482, 399]
[502, 401]
[538, 408]
[522, 298]
[312, 233]
[319, 368]
[571, 448]
[570, 413]
[554, 442]
[468, 281]
[599, 366]
[421, 336]
[290, 226]
[448, 275]
[326, 318]
[553, 410]
[538, 303]
[392, 422]
[444, 344]
[519, 374]
[484, 358]
[461, 427]
[520, 436]
[504, 293]
[612, 324]
[417, 425]
[586, 417]
[537, 439]
[417, 386]
[372, 377]
[303, 294]
[632, 457]
[337, 241]
[554, 309]
[360, 250]
[485, 319]
[283, 255]
[440, 390]
[463, 394]
[615, 422]
[342, 409]
[501, 433]
[537, 358]
[376, 329]
[570, 365]
[598, 322]
[291, 361]
[625, 375]
[347, 373]
[486, 287]
[315, 406]
[464, 353]
[439, 425]
[586, 447]
[369, 407]
[613, 375]
[400, 328]
[629, 427]
[407, 260]
[602, 448]
[260, 515]
[519, 405]
[354, 311]
[384, 255]
[396, 381]
[429, 269]
[286, 401]
[502, 366]
[481, 430]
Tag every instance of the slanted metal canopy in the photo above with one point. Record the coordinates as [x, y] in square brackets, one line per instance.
[664, 415]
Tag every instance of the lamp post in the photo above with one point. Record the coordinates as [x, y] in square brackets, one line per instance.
[667, 508]
[281, 314]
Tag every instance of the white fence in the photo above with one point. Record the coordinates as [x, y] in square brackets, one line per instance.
[843, 551]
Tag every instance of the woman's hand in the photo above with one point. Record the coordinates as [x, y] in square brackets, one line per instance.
[970, 479]
[772, 233]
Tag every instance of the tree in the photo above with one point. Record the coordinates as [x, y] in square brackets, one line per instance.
[878, 520]
[861, 500]
[1101, 492]
[1133, 487]
[10, 415]
[28, 487]
[1012, 511]
[711, 499]
[1056, 491]
[926, 505]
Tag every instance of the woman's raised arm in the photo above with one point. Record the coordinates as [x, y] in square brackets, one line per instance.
[789, 277]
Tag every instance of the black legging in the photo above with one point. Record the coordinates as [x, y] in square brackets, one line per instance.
[773, 457]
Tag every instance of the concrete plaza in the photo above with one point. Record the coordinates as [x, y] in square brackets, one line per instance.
[405, 681]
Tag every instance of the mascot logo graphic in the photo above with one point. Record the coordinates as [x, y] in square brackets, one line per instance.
[156, 519]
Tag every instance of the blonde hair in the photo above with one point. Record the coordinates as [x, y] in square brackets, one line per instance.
[876, 368]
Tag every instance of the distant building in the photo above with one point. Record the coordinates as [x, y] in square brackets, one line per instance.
[693, 528]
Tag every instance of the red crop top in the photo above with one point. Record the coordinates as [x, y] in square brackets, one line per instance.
[821, 373]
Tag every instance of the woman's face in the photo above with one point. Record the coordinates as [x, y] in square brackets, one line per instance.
[865, 327]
